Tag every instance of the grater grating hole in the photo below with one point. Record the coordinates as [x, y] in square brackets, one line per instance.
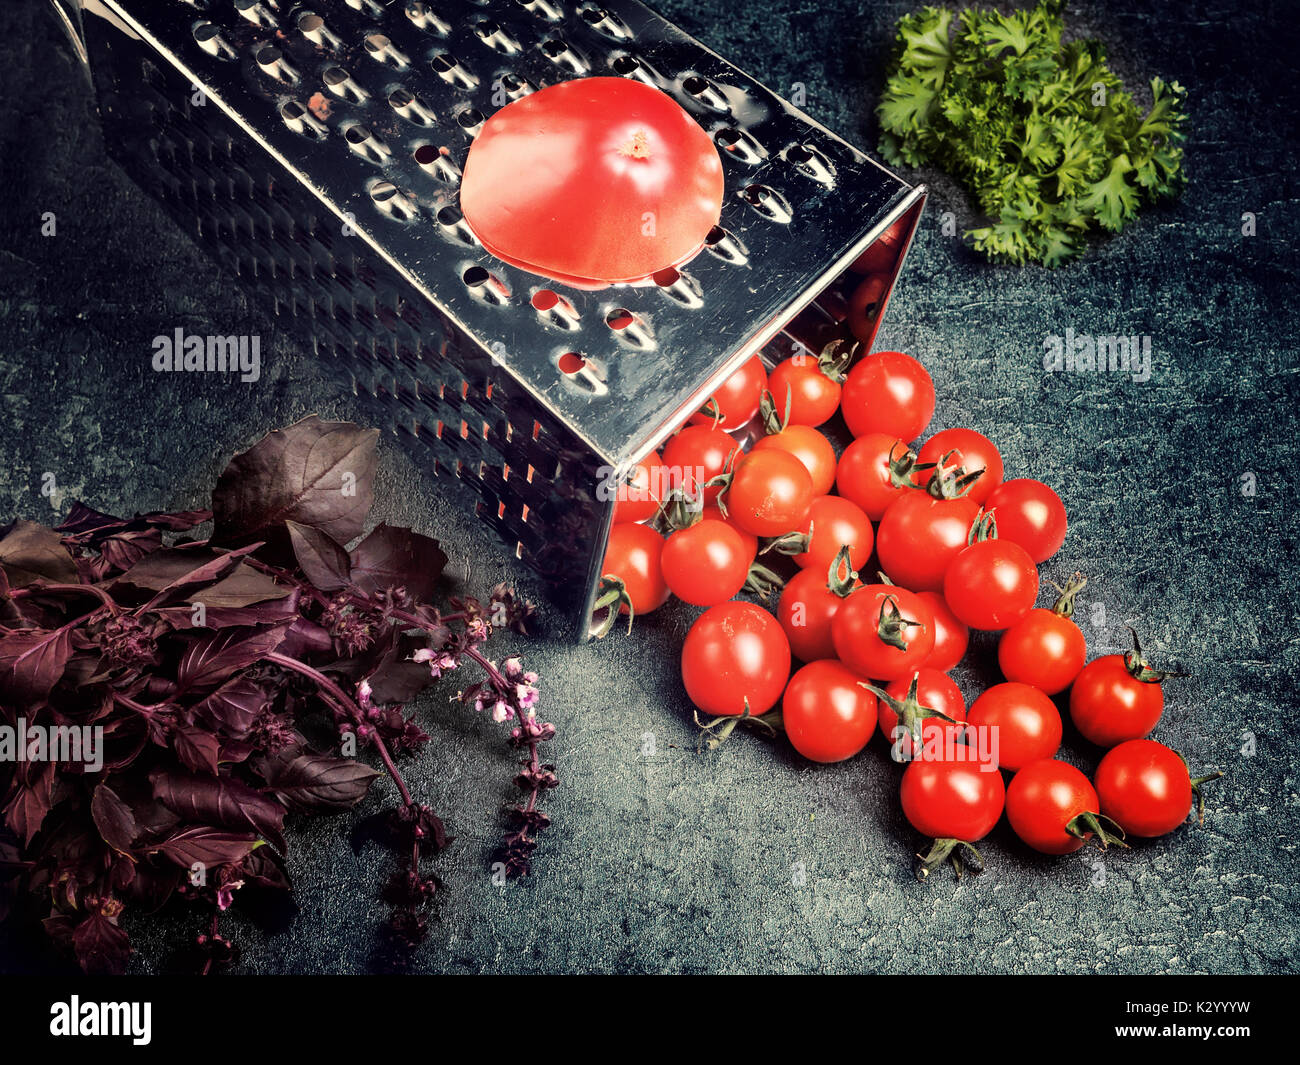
[362, 141]
[258, 13]
[739, 144]
[300, 120]
[209, 38]
[393, 202]
[491, 34]
[485, 286]
[563, 54]
[339, 82]
[679, 287]
[605, 22]
[701, 89]
[546, 9]
[382, 48]
[452, 71]
[272, 62]
[427, 19]
[555, 309]
[726, 246]
[471, 120]
[630, 328]
[312, 26]
[768, 202]
[582, 373]
[367, 7]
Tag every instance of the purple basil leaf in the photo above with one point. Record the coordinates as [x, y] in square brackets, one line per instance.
[83, 520]
[31, 800]
[233, 708]
[219, 801]
[30, 552]
[266, 869]
[322, 558]
[207, 845]
[396, 679]
[315, 782]
[315, 473]
[102, 947]
[271, 612]
[196, 748]
[124, 551]
[210, 659]
[306, 640]
[113, 818]
[391, 557]
[31, 663]
[171, 571]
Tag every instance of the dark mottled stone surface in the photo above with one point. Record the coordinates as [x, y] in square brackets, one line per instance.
[679, 862]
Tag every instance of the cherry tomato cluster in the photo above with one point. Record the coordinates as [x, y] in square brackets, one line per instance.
[954, 546]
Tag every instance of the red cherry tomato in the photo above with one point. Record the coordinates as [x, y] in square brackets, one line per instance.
[635, 556]
[827, 713]
[863, 474]
[804, 610]
[951, 635]
[640, 494]
[864, 308]
[835, 523]
[871, 623]
[958, 798]
[813, 396]
[881, 256]
[705, 563]
[919, 536]
[770, 493]
[991, 584]
[560, 182]
[696, 455]
[1030, 514]
[737, 398]
[1110, 705]
[1053, 808]
[810, 447]
[971, 451]
[1045, 649]
[1146, 788]
[735, 655]
[936, 690]
[888, 392]
[1023, 723]
[713, 512]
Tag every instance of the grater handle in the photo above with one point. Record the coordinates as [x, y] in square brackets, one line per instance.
[68, 13]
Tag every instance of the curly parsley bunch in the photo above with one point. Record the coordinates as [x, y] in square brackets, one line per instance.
[1040, 130]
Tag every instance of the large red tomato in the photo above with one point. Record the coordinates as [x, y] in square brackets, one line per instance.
[593, 181]
[883, 632]
[827, 713]
[888, 392]
[919, 536]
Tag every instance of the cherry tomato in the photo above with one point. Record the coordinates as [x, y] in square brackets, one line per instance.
[863, 473]
[1030, 514]
[888, 392]
[735, 655]
[827, 713]
[696, 455]
[1109, 704]
[1023, 723]
[871, 624]
[705, 563]
[635, 556]
[640, 494]
[560, 182]
[810, 447]
[804, 610]
[1045, 649]
[713, 512]
[956, 800]
[737, 399]
[1146, 788]
[971, 451]
[919, 536]
[835, 523]
[951, 635]
[1054, 809]
[991, 584]
[770, 493]
[933, 689]
[883, 254]
[864, 308]
[813, 396]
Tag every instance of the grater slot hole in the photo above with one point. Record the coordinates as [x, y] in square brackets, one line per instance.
[471, 120]
[302, 121]
[339, 82]
[486, 286]
[367, 7]
[630, 328]
[452, 71]
[411, 107]
[582, 373]
[437, 161]
[739, 144]
[273, 63]
[702, 90]
[209, 38]
[491, 34]
[313, 27]
[726, 246]
[258, 13]
[767, 202]
[366, 144]
[555, 309]
[605, 22]
[392, 201]
[425, 18]
[453, 222]
[812, 162]
[564, 55]
[679, 287]
[382, 48]
[546, 9]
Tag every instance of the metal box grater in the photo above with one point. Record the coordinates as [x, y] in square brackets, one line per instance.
[315, 148]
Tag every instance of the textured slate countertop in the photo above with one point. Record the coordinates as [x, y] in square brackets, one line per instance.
[684, 863]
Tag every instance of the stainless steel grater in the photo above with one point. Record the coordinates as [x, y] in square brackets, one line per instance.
[316, 149]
